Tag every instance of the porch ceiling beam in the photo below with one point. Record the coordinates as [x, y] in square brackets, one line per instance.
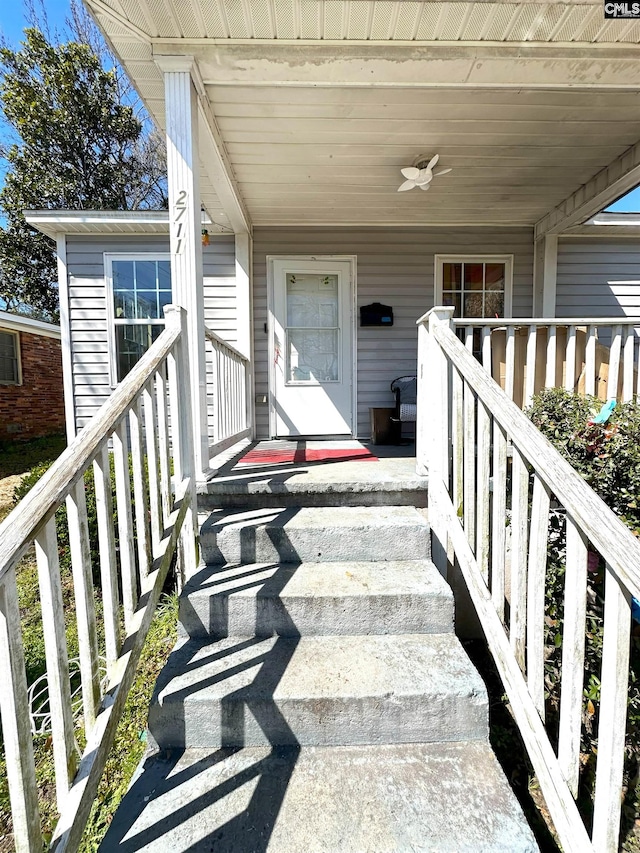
[616, 179]
[389, 65]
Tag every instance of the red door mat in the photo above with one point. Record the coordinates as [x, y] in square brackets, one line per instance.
[281, 456]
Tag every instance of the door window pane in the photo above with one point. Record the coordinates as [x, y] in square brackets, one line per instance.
[312, 355]
[312, 333]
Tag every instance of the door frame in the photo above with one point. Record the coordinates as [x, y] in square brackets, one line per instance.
[352, 261]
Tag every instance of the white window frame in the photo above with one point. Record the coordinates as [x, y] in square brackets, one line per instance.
[16, 337]
[109, 258]
[507, 260]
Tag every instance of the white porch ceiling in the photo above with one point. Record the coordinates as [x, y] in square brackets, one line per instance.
[319, 103]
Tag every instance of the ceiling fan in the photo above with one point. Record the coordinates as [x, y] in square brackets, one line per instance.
[421, 173]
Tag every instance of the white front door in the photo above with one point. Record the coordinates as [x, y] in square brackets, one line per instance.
[312, 381]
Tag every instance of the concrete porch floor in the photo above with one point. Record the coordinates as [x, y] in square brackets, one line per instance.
[392, 471]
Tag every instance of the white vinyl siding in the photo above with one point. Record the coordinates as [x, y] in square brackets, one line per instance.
[598, 277]
[88, 306]
[395, 267]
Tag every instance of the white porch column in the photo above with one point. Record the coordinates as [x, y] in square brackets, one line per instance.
[545, 271]
[244, 302]
[186, 238]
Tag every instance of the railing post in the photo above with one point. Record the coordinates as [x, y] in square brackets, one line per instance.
[432, 422]
[182, 440]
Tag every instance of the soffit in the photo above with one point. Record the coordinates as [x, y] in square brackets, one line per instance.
[316, 132]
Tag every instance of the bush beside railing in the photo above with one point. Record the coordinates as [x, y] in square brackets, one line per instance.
[135, 421]
[488, 467]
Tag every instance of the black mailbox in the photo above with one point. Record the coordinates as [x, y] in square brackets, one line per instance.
[376, 314]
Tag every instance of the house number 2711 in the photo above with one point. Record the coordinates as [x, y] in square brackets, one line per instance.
[179, 213]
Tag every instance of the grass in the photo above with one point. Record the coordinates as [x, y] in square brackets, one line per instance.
[129, 745]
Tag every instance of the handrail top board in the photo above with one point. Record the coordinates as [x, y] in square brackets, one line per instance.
[210, 335]
[547, 321]
[23, 523]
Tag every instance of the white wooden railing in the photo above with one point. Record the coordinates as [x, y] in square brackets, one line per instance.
[487, 463]
[135, 422]
[228, 394]
[598, 356]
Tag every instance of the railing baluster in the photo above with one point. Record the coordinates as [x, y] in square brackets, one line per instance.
[590, 361]
[151, 440]
[16, 735]
[457, 440]
[532, 342]
[552, 344]
[628, 365]
[65, 753]
[469, 455]
[163, 444]
[484, 472]
[499, 518]
[510, 361]
[573, 646]
[538, 535]
[125, 522]
[570, 360]
[107, 545]
[468, 338]
[485, 340]
[80, 549]
[139, 488]
[519, 524]
[613, 714]
[614, 363]
[219, 397]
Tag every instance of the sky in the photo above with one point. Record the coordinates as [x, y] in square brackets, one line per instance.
[13, 17]
[13, 21]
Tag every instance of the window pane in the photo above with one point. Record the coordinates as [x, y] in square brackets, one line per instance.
[147, 305]
[473, 276]
[122, 275]
[494, 277]
[131, 344]
[473, 305]
[452, 276]
[312, 355]
[146, 278]
[494, 304]
[452, 299]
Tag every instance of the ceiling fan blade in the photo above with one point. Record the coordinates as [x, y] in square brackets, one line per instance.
[442, 172]
[433, 161]
[425, 187]
[408, 185]
[410, 172]
[425, 177]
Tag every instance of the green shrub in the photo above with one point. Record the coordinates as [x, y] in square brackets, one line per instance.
[608, 457]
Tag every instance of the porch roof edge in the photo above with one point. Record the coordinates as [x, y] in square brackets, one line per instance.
[56, 223]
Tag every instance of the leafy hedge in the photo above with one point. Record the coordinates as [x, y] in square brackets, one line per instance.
[608, 457]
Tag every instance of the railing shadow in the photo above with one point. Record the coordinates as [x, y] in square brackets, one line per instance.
[177, 800]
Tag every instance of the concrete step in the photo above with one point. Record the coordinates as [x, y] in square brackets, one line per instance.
[385, 482]
[315, 534]
[433, 798]
[291, 600]
[320, 691]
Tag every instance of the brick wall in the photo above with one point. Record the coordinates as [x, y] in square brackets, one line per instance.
[36, 407]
